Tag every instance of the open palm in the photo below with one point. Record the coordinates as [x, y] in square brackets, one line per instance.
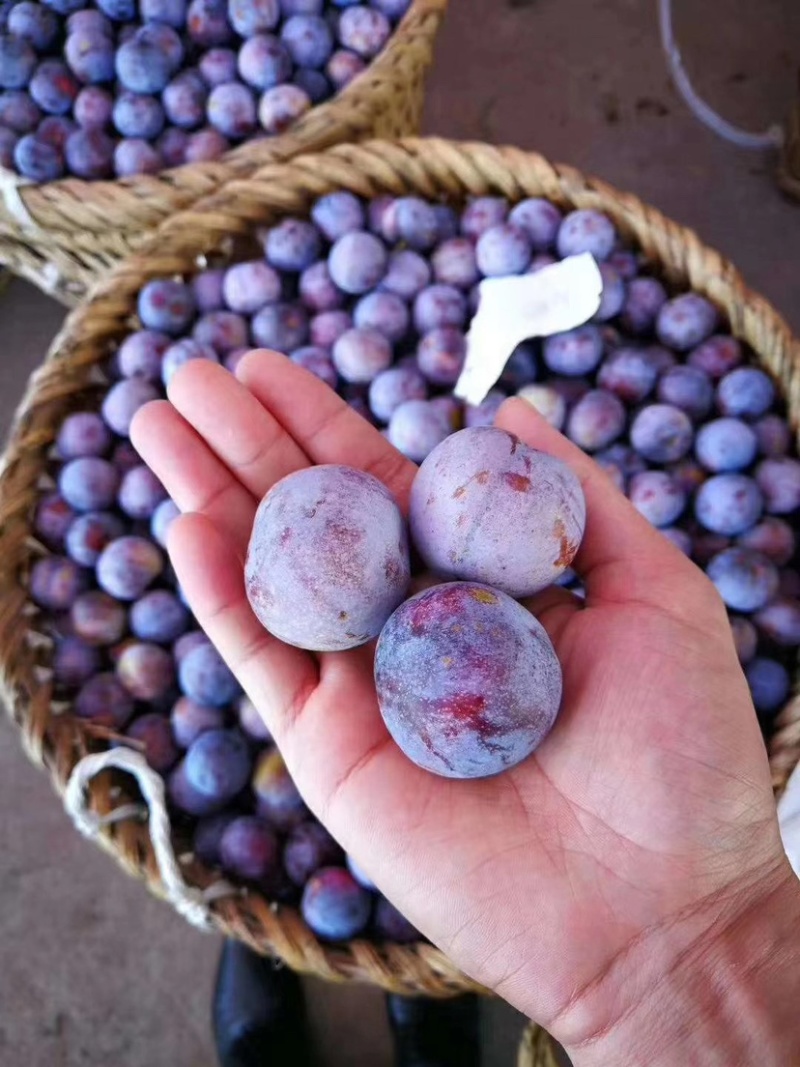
[647, 808]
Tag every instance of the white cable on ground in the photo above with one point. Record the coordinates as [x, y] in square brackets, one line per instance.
[190, 902]
[771, 138]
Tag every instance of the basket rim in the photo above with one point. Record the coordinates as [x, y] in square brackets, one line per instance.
[342, 116]
[429, 166]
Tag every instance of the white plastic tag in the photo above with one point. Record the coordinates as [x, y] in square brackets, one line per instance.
[511, 310]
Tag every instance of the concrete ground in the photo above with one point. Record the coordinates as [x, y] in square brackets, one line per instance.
[583, 82]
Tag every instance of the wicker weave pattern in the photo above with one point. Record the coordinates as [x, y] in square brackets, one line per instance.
[65, 235]
[434, 168]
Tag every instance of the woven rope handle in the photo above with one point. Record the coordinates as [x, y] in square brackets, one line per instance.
[193, 904]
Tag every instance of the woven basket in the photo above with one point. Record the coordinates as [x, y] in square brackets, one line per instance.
[432, 168]
[64, 235]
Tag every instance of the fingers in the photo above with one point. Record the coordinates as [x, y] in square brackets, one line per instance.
[554, 607]
[243, 434]
[322, 424]
[279, 679]
[190, 472]
[622, 557]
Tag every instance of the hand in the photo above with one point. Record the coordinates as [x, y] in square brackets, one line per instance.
[599, 878]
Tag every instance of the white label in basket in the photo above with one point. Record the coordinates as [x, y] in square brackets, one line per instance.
[511, 310]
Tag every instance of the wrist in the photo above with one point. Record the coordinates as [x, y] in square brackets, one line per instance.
[725, 990]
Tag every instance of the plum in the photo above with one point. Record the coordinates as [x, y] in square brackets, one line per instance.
[249, 848]
[190, 719]
[55, 582]
[769, 684]
[205, 678]
[217, 765]
[467, 680]
[745, 579]
[278, 799]
[147, 671]
[477, 486]
[251, 721]
[127, 566]
[328, 558]
[334, 905]
[97, 618]
[104, 700]
[309, 847]
[74, 662]
[392, 925]
[152, 731]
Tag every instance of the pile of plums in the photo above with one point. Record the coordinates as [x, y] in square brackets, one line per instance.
[375, 299]
[97, 88]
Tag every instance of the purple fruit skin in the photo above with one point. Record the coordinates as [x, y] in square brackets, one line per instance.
[249, 848]
[586, 231]
[281, 106]
[645, 298]
[773, 435]
[88, 483]
[277, 797]
[745, 580]
[439, 305]
[467, 680]
[158, 616]
[477, 485]
[90, 56]
[338, 213]
[205, 678]
[483, 414]
[393, 387]
[153, 731]
[364, 30]
[780, 621]
[686, 321]
[612, 298]
[335, 906]
[264, 62]
[522, 367]
[204, 146]
[182, 352]
[224, 331]
[55, 582]
[18, 112]
[140, 493]
[680, 538]
[385, 312]
[357, 262]
[596, 420]
[164, 515]
[208, 837]
[217, 65]
[769, 684]
[90, 533]
[318, 290]
[326, 328]
[140, 354]
[33, 23]
[52, 520]
[717, 356]
[127, 566]
[103, 700]
[547, 401]
[416, 427]
[359, 355]
[728, 504]
[539, 219]
[217, 765]
[251, 721]
[359, 875]
[37, 160]
[726, 445]
[574, 352]
[481, 213]
[187, 799]
[657, 496]
[687, 388]
[779, 481]
[328, 558]
[250, 286]
[74, 662]
[308, 39]
[172, 145]
[207, 289]
[123, 400]
[773, 537]
[309, 847]
[629, 374]
[392, 925]
[167, 306]
[454, 263]
[185, 100]
[232, 110]
[318, 362]
[146, 670]
[282, 327]
[98, 618]
[83, 434]
[745, 637]
[190, 719]
[440, 355]
[746, 392]
[503, 250]
[662, 433]
[407, 274]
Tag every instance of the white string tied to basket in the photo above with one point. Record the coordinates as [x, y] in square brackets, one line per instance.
[193, 904]
[771, 138]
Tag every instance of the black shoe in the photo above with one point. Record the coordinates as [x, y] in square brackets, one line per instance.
[435, 1033]
[258, 1010]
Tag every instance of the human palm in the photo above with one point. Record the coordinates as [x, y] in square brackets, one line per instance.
[648, 807]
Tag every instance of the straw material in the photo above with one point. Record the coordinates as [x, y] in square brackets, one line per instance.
[64, 235]
[536, 1049]
[212, 232]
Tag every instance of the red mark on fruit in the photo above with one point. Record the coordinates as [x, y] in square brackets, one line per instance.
[482, 477]
[566, 548]
[483, 596]
[518, 482]
[286, 536]
[459, 492]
